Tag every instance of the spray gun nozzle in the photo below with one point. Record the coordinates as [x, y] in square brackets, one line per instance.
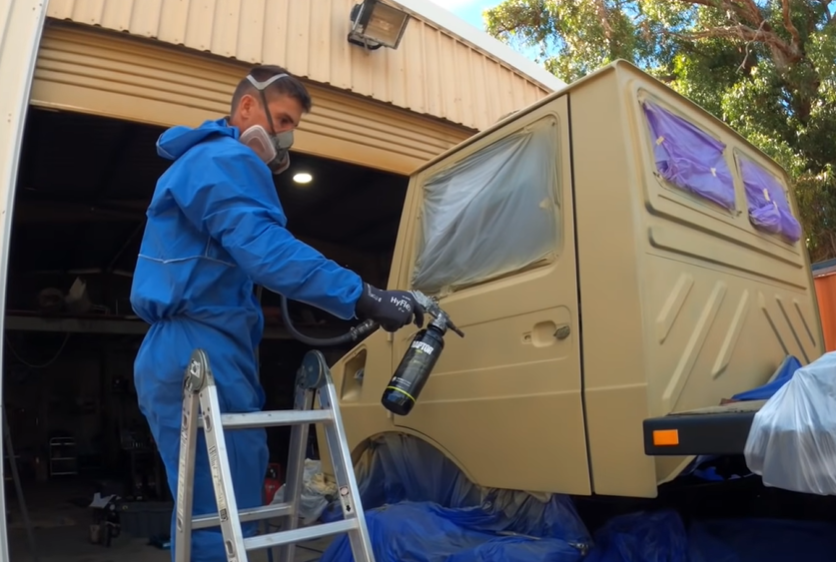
[442, 319]
[454, 328]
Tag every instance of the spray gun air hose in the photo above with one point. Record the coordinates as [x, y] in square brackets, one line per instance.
[353, 334]
[367, 326]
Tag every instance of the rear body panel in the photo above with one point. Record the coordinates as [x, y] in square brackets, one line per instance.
[683, 303]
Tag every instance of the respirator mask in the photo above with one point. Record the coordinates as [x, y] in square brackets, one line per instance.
[272, 148]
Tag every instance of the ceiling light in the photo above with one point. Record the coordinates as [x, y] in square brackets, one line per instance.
[376, 25]
[302, 177]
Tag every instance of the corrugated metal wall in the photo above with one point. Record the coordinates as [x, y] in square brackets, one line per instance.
[431, 72]
[92, 71]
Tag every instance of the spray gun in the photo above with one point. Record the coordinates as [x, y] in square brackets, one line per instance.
[417, 364]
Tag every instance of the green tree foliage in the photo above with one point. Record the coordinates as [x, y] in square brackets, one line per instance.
[767, 68]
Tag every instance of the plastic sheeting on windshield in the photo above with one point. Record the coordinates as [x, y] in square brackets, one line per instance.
[492, 213]
[769, 209]
[690, 158]
[792, 442]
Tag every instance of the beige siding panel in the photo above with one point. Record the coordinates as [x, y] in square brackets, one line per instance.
[431, 72]
[102, 73]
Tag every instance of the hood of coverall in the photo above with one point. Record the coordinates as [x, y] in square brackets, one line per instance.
[176, 141]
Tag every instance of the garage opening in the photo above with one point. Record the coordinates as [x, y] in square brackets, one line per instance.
[71, 336]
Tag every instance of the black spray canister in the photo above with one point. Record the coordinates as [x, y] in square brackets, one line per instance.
[415, 368]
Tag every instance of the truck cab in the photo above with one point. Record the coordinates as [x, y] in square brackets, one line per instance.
[614, 254]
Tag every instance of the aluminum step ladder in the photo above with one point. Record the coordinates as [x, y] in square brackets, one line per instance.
[200, 395]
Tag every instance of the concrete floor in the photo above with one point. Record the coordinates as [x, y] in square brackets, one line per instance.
[61, 533]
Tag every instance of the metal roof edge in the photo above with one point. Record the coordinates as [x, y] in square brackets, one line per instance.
[446, 20]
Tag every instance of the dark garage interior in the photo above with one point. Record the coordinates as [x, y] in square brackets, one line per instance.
[83, 186]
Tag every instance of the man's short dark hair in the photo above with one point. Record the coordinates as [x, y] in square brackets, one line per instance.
[289, 86]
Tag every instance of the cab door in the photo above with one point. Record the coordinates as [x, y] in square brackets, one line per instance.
[489, 230]
[21, 22]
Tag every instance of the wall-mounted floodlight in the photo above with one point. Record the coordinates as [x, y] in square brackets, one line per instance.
[375, 25]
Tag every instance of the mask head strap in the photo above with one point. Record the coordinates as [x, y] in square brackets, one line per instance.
[261, 87]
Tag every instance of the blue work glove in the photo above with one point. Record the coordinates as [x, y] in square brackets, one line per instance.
[391, 309]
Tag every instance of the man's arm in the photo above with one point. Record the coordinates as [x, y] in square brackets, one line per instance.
[232, 197]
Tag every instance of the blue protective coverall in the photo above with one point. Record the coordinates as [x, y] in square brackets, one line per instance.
[215, 227]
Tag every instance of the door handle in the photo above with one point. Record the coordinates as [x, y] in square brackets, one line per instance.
[545, 333]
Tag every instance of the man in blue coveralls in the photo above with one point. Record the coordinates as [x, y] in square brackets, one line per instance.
[215, 228]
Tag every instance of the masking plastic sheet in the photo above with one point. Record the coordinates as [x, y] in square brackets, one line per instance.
[492, 213]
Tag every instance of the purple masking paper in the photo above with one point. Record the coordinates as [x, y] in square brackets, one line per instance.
[690, 158]
[769, 209]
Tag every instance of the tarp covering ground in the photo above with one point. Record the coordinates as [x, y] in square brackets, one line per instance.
[421, 508]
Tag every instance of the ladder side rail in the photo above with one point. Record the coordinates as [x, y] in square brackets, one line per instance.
[233, 533]
[296, 468]
[347, 487]
[186, 468]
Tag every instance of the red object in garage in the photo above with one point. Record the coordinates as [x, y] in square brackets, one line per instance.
[272, 482]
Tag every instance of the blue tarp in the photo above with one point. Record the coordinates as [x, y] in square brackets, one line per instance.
[761, 540]
[421, 508]
[641, 537]
[427, 532]
[400, 468]
[782, 376]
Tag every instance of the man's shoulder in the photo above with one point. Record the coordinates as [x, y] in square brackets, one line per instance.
[220, 147]
[202, 158]
[216, 158]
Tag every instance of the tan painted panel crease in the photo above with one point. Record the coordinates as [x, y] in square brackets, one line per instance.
[431, 72]
[97, 72]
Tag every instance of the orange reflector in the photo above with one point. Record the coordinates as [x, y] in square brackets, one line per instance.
[666, 437]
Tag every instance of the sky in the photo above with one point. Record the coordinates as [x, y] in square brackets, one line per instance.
[468, 10]
[471, 12]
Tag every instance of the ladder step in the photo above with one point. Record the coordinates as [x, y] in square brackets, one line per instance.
[252, 514]
[275, 418]
[300, 535]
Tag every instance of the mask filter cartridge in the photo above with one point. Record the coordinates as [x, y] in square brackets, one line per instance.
[273, 150]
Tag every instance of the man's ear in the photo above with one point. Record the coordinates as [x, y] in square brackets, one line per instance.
[246, 106]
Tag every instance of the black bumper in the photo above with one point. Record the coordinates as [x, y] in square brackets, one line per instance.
[712, 431]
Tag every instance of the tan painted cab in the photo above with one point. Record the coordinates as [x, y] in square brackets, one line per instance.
[613, 254]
